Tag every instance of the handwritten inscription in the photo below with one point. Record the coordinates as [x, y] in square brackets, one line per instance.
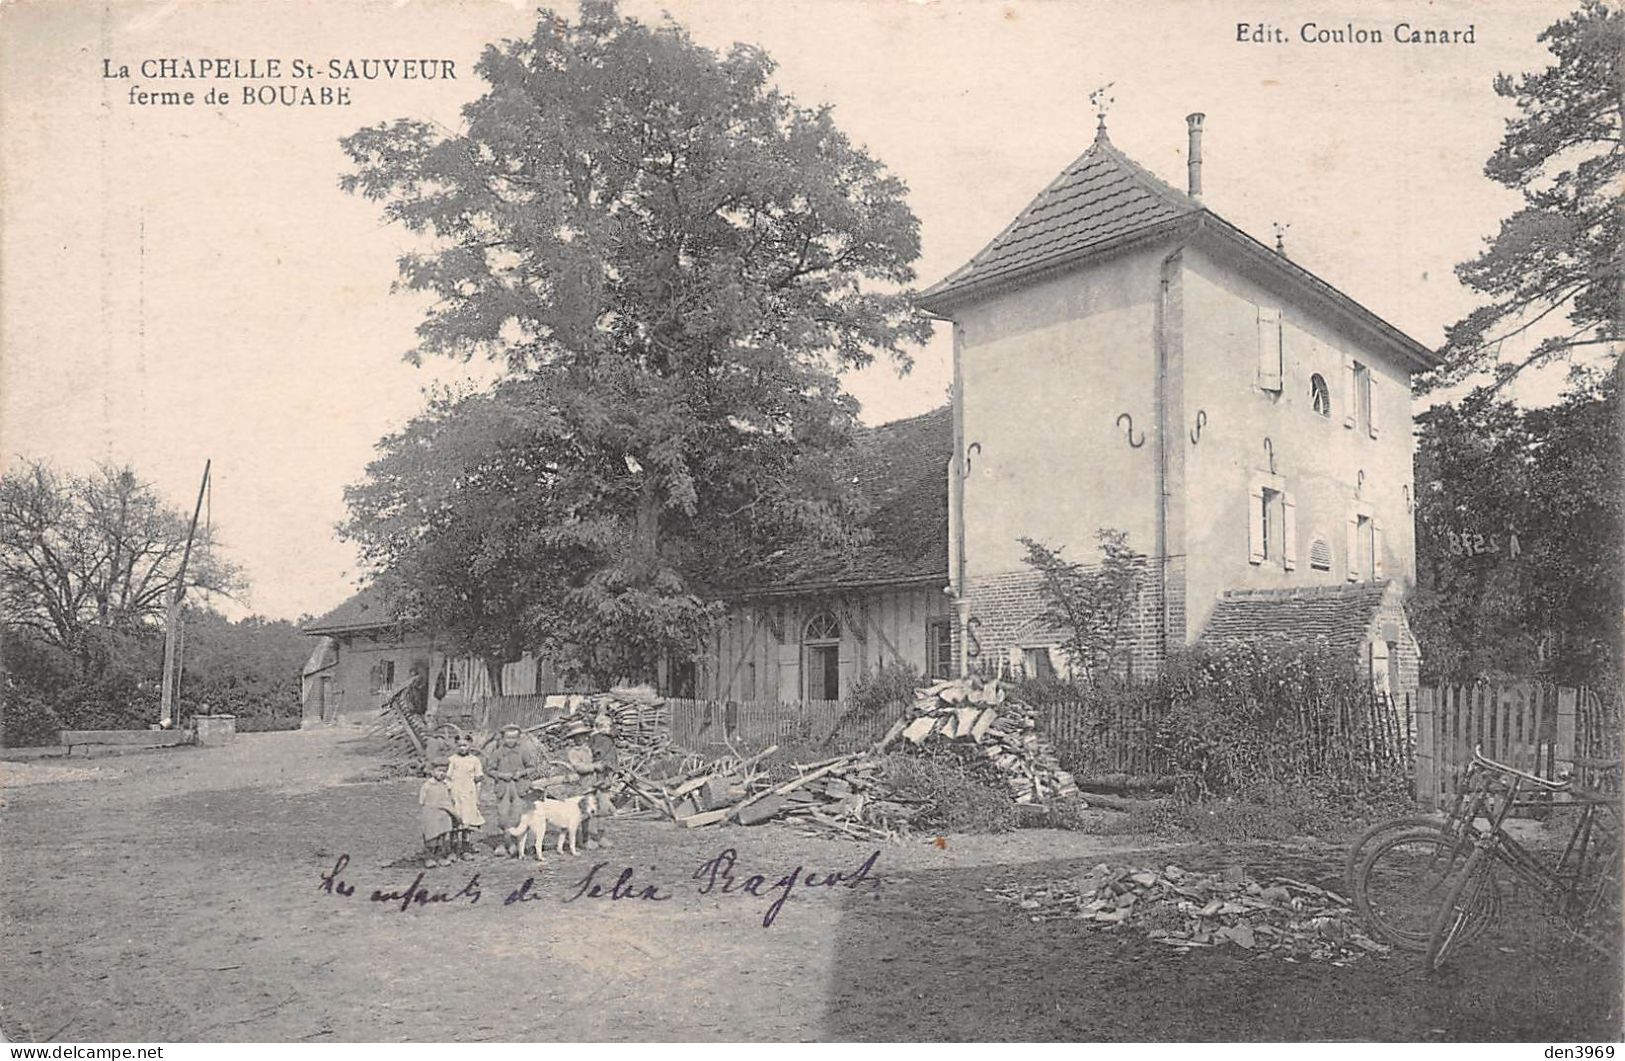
[719, 875]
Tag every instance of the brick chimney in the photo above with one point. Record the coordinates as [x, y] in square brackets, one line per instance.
[1193, 160]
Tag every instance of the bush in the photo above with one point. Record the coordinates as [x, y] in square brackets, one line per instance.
[951, 798]
[877, 700]
[28, 721]
[1225, 720]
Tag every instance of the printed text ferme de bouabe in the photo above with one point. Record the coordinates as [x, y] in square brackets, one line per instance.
[216, 82]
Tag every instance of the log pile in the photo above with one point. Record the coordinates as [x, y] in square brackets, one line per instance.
[977, 720]
[846, 795]
[840, 796]
[1285, 918]
[642, 719]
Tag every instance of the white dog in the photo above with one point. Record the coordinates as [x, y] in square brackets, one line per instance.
[566, 815]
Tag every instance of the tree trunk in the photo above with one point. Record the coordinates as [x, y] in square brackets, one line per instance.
[646, 531]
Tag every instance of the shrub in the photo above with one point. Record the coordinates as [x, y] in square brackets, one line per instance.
[951, 798]
[28, 721]
[1224, 720]
[877, 700]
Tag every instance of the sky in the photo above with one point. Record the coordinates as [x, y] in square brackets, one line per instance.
[181, 283]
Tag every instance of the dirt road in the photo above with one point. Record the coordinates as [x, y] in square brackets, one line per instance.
[180, 896]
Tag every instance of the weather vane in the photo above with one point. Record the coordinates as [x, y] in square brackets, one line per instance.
[1103, 103]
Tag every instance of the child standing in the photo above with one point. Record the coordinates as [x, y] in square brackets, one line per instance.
[464, 773]
[438, 820]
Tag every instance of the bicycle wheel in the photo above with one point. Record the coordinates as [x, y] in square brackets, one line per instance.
[1598, 923]
[1453, 924]
[1402, 881]
[1362, 846]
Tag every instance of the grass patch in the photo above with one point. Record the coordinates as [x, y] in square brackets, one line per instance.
[1262, 812]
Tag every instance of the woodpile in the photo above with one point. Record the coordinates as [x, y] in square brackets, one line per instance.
[641, 717]
[846, 795]
[978, 720]
[1285, 918]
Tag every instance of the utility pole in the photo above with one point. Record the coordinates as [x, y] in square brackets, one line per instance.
[172, 621]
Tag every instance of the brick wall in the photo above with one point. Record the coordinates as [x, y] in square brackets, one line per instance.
[1005, 610]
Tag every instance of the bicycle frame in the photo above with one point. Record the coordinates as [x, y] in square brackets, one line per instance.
[1561, 882]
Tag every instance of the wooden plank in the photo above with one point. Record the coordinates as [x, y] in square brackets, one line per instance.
[1427, 782]
[127, 738]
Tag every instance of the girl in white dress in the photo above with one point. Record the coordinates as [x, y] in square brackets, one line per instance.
[464, 772]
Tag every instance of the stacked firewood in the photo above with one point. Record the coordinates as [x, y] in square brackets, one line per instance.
[642, 719]
[1288, 919]
[979, 720]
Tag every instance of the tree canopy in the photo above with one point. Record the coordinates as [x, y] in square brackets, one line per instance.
[673, 261]
[1520, 539]
[80, 553]
[1554, 271]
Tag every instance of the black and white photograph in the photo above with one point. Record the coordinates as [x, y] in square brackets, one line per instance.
[834, 521]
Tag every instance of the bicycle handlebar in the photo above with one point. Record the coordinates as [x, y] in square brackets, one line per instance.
[1483, 760]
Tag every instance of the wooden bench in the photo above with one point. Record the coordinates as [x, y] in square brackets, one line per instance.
[124, 738]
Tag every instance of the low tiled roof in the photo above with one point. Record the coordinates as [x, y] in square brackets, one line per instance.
[1097, 201]
[1339, 615]
[901, 469]
[362, 612]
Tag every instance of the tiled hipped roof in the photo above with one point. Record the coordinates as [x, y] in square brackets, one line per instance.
[901, 469]
[1339, 615]
[1102, 198]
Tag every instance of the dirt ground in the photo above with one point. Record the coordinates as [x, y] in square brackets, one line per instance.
[178, 896]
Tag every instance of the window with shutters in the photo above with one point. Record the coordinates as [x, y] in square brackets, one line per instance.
[1362, 402]
[1270, 359]
[1272, 523]
[1365, 546]
[1320, 554]
[454, 674]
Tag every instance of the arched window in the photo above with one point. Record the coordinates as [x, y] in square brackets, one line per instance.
[1320, 396]
[823, 627]
[821, 652]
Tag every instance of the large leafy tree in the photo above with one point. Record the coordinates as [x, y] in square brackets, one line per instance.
[1553, 273]
[673, 262]
[85, 555]
[1520, 537]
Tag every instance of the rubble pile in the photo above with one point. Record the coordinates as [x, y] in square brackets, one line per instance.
[1285, 918]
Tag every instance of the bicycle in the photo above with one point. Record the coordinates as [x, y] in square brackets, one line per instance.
[1398, 871]
[1582, 887]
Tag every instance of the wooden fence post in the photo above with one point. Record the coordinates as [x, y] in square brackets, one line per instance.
[1567, 703]
[1427, 779]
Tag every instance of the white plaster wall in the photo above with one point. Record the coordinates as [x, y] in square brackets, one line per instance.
[1319, 458]
[1047, 370]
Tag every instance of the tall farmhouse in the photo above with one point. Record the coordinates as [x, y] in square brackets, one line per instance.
[1125, 358]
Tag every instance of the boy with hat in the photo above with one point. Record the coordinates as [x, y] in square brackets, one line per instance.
[511, 767]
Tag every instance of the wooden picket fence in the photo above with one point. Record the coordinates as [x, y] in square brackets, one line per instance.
[1541, 729]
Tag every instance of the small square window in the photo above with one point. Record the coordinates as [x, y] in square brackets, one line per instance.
[1036, 663]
